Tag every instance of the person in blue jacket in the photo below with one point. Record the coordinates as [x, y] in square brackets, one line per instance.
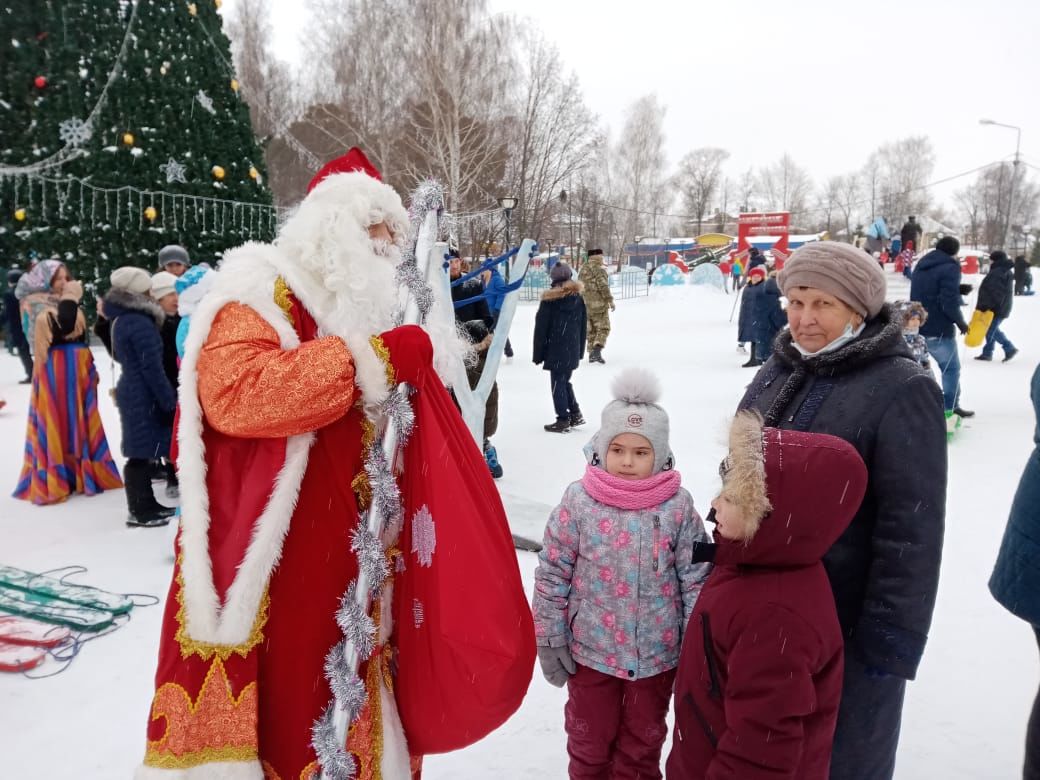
[770, 318]
[747, 327]
[144, 395]
[495, 290]
[1016, 577]
[935, 284]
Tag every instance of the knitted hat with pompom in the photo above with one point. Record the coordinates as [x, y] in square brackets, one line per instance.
[634, 409]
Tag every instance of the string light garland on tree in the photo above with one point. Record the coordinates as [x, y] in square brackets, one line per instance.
[76, 167]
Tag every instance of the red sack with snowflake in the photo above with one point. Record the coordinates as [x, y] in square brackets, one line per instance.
[462, 625]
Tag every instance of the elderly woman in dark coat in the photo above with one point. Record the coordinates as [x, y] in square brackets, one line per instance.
[144, 395]
[1016, 577]
[843, 368]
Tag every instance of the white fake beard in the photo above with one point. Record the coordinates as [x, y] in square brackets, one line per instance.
[364, 299]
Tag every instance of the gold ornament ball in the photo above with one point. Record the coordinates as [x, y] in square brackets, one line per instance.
[19, 214]
[218, 3]
[218, 172]
[234, 85]
[253, 172]
[193, 9]
[128, 139]
[150, 213]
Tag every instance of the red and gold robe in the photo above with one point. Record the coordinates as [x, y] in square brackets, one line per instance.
[273, 435]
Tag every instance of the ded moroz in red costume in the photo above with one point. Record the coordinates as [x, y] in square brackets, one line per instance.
[281, 380]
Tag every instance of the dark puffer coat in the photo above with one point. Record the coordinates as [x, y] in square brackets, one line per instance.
[935, 284]
[760, 674]
[769, 314]
[1016, 577]
[884, 570]
[560, 328]
[144, 395]
[747, 321]
[997, 291]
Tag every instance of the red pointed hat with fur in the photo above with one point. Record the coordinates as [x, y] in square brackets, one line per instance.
[353, 160]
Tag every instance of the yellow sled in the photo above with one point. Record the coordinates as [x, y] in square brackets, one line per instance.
[978, 327]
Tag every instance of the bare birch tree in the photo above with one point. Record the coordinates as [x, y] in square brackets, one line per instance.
[639, 162]
[699, 179]
[787, 186]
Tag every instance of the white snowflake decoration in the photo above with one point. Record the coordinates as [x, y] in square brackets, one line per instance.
[174, 171]
[205, 101]
[424, 537]
[74, 132]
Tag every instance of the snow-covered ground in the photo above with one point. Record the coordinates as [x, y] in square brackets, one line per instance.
[965, 715]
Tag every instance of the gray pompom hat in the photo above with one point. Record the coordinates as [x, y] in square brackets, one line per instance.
[634, 409]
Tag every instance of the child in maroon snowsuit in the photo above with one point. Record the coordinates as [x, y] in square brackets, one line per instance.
[760, 673]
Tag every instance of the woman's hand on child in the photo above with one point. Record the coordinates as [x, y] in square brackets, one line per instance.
[557, 664]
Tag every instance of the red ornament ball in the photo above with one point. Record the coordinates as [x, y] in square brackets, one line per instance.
[40, 82]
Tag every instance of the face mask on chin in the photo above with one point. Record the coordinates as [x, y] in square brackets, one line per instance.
[847, 335]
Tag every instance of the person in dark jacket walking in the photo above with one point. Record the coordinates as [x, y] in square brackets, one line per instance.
[1023, 276]
[13, 323]
[144, 396]
[996, 294]
[936, 286]
[755, 258]
[559, 343]
[750, 306]
[910, 235]
[759, 679]
[843, 368]
[1015, 582]
[769, 317]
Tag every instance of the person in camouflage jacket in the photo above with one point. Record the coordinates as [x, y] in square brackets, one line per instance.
[598, 303]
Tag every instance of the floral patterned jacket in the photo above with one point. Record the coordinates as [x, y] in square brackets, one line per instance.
[618, 585]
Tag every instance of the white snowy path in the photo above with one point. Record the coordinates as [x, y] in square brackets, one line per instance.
[965, 715]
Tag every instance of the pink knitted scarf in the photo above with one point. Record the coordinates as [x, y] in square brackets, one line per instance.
[630, 493]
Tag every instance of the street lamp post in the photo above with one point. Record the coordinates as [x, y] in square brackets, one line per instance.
[507, 203]
[1014, 171]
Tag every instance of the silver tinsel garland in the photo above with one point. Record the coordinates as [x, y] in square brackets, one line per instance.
[356, 624]
[371, 558]
[359, 629]
[336, 762]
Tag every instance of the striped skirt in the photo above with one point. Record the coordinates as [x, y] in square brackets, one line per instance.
[66, 450]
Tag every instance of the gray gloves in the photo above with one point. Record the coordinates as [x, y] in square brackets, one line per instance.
[557, 664]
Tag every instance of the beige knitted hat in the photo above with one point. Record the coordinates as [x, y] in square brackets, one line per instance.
[839, 269]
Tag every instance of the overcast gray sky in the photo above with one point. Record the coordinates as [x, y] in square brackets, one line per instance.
[825, 80]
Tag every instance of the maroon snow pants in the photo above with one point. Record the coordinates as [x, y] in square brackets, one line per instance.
[615, 727]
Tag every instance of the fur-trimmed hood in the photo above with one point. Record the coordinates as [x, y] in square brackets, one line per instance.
[119, 301]
[573, 287]
[798, 492]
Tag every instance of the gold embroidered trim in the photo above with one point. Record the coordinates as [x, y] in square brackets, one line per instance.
[206, 650]
[311, 771]
[281, 298]
[360, 485]
[193, 726]
[384, 356]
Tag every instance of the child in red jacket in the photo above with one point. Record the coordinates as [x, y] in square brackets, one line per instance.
[759, 678]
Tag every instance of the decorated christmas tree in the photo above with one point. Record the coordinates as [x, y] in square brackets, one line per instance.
[123, 129]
